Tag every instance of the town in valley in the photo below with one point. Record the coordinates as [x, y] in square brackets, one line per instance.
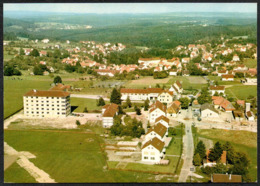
[101, 100]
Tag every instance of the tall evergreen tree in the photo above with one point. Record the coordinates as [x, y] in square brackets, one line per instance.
[115, 97]
[128, 102]
[216, 152]
[201, 150]
[101, 102]
[146, 104]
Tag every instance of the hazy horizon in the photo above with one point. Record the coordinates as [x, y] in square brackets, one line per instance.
[131, 8]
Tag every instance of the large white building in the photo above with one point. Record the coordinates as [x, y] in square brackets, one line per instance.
[153, 150]
[140, 94]
[46, 103]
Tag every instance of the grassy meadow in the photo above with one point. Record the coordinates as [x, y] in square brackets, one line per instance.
[81, 103]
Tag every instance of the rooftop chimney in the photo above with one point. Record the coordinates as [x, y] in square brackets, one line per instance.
[34, 90]
[230, 177]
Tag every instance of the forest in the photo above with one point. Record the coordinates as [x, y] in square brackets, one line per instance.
[156, 31]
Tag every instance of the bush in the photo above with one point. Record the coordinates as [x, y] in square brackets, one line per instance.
[78, 122]
[172, 131]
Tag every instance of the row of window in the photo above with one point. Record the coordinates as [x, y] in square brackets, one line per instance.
[63, 113]
[48, 105]
[45, 97]
[46, 101]
[43, 109]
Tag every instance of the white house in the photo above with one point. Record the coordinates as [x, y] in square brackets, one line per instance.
[173, 72]
[227, 77]
[105, 72]
[222, 72]
[236, 58]
[208, 111]
[108, 113]
[185, 60]
[163, 120]
[219, 89]
[159, 131]
[156, 110]
[166, 97]
[45, 40]
[153, 151]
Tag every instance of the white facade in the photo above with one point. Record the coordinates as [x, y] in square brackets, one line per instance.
[207, 113]
[155, 114]
[107, 122]
[46, 106]
[163, 123]
[172, 73]
[153, 134]
[165, 97]
[151, 154]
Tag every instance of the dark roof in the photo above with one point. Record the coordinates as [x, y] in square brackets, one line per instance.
[156, 143]
[159, 129]
[162, 118]
[47, 93]
[208, 106]
[156, 105]
[225, 178]
[111, 110]
[216, 87]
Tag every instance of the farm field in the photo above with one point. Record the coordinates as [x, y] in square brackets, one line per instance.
[241, 91]
[14, 91]
[146, 82]
[81, 153]
[81, 103]
[242, 141]
[250, 63]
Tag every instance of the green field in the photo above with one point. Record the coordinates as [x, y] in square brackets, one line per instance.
[186, 84]
[242, 141]
[81, 103]
[15, 89]
[71, 157]
[250, 63]
[16, 174]
[241, 91]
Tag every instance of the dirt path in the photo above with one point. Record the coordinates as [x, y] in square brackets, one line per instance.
[38, 174]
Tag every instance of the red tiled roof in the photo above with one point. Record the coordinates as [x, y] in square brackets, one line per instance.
[241, 102]
[159, 129]
[156, 105]
[162, 118]
[111, 110]
[47, 93]
[226, 76]
[217, 87]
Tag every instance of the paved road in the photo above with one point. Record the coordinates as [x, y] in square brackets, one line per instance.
[187, 152]
[88, 96]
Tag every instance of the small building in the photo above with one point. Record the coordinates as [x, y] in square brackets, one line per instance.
[195, 106]
[173, 109]
[185, 73]
[238, 115]
[226, 178]
[227, 77]
[236, 58]
[173, 72]
[219, 89]
[46, 73]
[108, 113]
[222, 103]
[185, 60]
[241, 103]
[250, 116]
[208, 111]
[152, 150]
[45, 40]
[61, 87]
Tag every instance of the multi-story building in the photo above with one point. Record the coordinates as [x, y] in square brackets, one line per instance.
[46, 103]
[156, 110]
[140, 94]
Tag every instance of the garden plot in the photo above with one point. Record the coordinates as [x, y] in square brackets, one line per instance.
[146, 82]
[109, 84]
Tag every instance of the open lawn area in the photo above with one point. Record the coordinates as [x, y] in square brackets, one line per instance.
[190, 82]
[250, 63]
[242, 141]
[14, 91]
[68, 157]
[241, 91]
[146, 82]
[17, 174]
[81, 103]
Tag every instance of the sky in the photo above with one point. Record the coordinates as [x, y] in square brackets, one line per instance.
[132, 7]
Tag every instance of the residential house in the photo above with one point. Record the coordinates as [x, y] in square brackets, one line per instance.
[159, 131]
[173, 72]
[185, 60]
[238, 115]
[153, 150]
[227, 77]
[27, 51]
[46, 103]
[219, 89]
[156, 110]
[108, 113]
[61, 87]
[226, 178]
[163, 120]
[185, 73]
[43, 53]
[173, 109]
[195, 107]
[208, 111]
[236, 58]
[105, 72]
[241, 103]
[222, 72]
[165, 97]
[222, 103]
[45, 40]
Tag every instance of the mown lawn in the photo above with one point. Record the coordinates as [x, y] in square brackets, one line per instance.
[81, 103]
[243, 141]
[69, 157]
[15, 89]
[186, 84]
[16, 174]
[241, 91]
